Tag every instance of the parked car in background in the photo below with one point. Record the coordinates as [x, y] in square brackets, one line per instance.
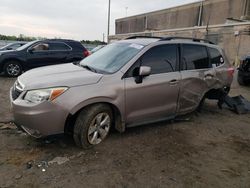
[97, 48]
[41, 53]
[127, 83]
[244, 71]
[12, 46]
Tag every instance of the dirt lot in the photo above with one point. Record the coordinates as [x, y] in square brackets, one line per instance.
[209, 149]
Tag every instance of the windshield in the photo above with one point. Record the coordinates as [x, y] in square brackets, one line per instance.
[6, 46]
[112, 57]
[26, 45]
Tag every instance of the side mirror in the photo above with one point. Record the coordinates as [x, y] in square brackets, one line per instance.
[30, 50]
[144, 71]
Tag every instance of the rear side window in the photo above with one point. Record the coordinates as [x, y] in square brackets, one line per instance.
[194, 57]
[161, 59]
[216, 57]
[58, 46]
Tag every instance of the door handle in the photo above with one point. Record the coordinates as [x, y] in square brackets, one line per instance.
[173, 82]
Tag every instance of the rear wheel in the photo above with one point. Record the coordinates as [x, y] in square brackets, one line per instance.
[92, 125]
[12, 69]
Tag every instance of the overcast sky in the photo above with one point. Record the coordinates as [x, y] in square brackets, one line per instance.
[74, 19]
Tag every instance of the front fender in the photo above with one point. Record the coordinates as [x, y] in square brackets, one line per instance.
[94, 101]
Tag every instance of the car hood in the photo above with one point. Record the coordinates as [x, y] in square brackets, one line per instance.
[58, 75]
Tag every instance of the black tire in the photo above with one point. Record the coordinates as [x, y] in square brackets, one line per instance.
[85, 119]
[12, 69]
[241, 80]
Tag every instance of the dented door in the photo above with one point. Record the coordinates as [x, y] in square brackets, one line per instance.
[197, 76]
[194, 84]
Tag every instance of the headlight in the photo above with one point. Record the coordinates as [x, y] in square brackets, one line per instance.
[38, 96]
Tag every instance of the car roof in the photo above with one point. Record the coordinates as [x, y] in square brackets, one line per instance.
[59, 40]
[141, 41]
[145, 40]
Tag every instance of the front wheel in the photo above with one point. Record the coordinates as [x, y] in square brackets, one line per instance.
[12, 69]
[92, 125]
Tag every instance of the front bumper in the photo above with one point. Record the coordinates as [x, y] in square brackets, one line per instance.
[38, 120]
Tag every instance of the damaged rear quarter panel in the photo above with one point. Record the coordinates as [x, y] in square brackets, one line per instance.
[195, 84]
[192, 88]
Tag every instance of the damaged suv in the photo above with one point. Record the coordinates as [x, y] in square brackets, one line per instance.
[127, 83]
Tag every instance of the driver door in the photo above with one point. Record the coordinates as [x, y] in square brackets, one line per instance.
[156, 96]
[39, 55]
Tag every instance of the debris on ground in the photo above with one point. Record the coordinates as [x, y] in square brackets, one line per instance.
[29, 164]
[43, 165]
[59, 160]
[231, 171]
[237, 104]
[7, 126]
[18, 176]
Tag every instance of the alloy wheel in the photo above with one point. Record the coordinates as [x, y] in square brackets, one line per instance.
[99, 128]
[13, 69]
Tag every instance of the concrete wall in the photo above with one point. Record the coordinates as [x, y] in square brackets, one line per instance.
[213, 12]
[233, 38]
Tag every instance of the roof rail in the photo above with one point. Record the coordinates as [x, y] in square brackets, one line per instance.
[186, 38]
[138, 37]
[172, 38]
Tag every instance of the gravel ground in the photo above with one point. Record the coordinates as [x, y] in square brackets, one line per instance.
[207, 149]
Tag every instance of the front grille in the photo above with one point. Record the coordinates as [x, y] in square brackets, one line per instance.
[15, 93]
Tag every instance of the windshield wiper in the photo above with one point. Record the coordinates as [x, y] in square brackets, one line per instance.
[89, 68]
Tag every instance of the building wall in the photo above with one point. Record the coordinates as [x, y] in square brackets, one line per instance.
[233, 38]
[213, 12]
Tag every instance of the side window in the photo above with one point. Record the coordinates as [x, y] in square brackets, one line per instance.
[14, 46]
[41, 47]
[216, 57]
[59, 46]
[194, 57]
[161, 59]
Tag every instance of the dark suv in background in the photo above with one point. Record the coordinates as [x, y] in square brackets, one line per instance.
[12, 46]
[244, 71]
[41, 53]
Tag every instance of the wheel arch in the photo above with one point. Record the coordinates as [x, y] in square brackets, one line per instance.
[13, 59]
[117, 114]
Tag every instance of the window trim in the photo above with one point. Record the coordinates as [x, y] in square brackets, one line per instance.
[41, 42]
[125, 75]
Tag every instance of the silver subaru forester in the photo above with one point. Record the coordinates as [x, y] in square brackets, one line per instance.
[127, 83]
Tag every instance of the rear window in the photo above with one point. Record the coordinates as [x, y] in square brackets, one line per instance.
[216, 57]
[194, 57]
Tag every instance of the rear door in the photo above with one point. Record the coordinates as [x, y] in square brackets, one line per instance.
[197, 76]
[38, 55]
[156, 97]
[58, 52]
